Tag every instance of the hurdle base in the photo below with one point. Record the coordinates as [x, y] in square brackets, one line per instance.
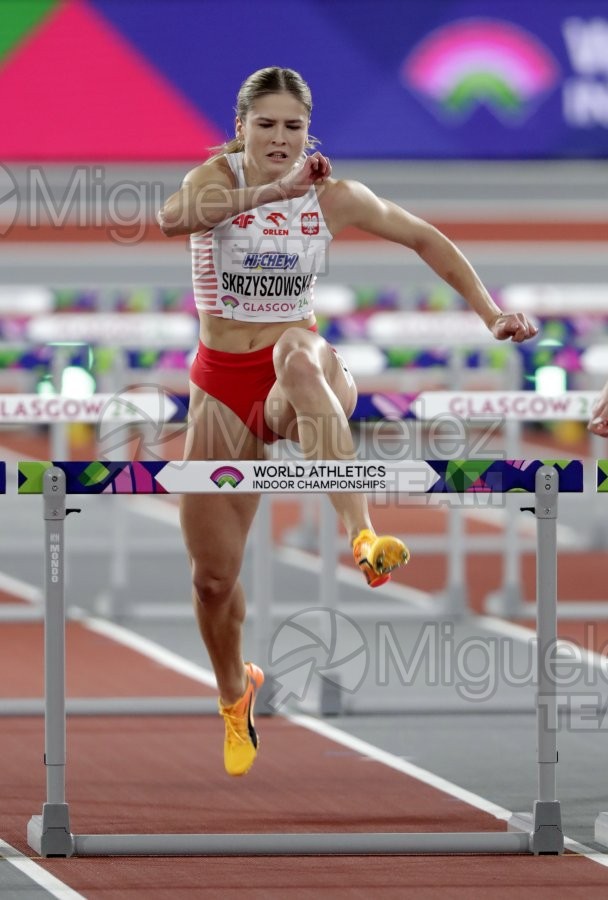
[601, 829]
[19, 612]
[265, 695]
[331, 697]
[544, 826]
[49, 834]
[506, 603]
[115, 706]
[301, 844]
[453, 603]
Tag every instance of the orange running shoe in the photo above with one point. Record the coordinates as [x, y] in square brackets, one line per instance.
[241, 742]
[378, 556]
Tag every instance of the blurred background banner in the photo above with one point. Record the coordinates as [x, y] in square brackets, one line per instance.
[138, 80]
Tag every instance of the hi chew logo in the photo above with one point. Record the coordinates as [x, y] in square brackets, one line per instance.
[226, 475]
[481, 62]
[271, 260]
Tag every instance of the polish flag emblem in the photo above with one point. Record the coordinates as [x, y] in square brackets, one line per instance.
[309, 223]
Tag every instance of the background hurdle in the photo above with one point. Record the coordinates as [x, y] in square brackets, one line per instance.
[472, 408]
[50, 835]
[601, 822]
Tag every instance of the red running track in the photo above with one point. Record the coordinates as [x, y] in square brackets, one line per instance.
[165, 774]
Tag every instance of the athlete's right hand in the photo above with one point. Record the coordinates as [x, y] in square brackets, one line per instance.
[315, 169]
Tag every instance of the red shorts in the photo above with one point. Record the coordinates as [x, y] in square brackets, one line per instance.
[241, 381]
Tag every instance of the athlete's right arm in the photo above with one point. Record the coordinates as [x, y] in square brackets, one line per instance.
[208, 196]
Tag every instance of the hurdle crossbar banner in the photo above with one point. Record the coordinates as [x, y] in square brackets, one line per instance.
[146, 406]
[49, 834]
[521, 406]
[300, 476]
[601, 822]
[134, 407]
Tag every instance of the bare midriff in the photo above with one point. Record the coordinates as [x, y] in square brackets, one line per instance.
[232, 336]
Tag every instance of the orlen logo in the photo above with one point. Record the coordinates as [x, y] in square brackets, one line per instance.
[276, 218]
[309, 223]
[244, 220]
[226, 475]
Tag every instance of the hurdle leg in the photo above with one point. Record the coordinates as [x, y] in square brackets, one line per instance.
[454, 602]
[546, 832]
[262, 597]
[49, 834]
[330, 701]
[508, 600]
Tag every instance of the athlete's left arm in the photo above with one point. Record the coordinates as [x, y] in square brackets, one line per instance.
[350, 203]
[598, 423]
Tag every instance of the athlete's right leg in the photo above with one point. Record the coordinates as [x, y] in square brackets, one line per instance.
[215, 530]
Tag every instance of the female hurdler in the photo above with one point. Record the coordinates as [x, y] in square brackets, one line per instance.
[261, 215]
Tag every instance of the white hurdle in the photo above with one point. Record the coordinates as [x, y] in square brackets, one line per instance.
[49, 834]
[601, 822]
[472, 408]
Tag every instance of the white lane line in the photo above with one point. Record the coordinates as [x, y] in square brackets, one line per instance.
[22, 589]
[152, 650]
[310, 562]
[435, 781]
[159, 510]
[173, 661]
[524, 633]
[400, 765]
[566, 535]
[37, 874]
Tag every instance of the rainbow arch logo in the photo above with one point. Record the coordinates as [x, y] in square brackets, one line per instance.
[226, 475]
[481, 62]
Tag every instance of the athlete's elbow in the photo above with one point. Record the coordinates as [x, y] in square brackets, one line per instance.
[425, 239]
[170, 225]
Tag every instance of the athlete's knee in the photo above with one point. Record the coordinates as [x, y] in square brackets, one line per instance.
[296, 361]
[213, 584]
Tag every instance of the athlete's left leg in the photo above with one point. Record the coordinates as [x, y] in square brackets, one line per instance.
[311, 401]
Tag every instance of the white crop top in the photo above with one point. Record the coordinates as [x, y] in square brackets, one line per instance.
[261, 265]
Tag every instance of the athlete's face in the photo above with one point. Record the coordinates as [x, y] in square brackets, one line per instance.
[274, 133]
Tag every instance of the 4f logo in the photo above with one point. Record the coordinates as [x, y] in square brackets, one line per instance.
[309, 223]
[244, 220]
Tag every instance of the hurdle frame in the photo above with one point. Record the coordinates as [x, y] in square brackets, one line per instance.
[49, 834]
[600, 826]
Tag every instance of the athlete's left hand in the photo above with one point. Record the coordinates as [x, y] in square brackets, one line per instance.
[598, 423]
[514, 326]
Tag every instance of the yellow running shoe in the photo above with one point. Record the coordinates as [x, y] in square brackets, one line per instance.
[378, 556]
[241, 742]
